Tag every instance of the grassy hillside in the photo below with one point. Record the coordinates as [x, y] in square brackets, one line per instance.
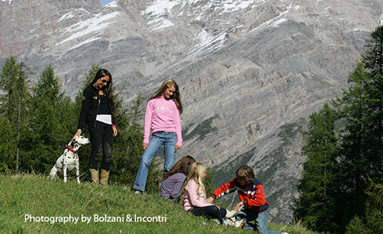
[35, 204]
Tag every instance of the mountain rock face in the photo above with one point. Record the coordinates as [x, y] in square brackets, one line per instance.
[250, 71]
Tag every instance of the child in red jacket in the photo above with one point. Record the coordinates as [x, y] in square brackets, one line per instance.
[253, 205]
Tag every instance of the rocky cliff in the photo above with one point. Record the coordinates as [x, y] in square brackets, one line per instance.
[250, 71]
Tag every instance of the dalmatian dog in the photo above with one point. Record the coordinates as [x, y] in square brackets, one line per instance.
[69, 159]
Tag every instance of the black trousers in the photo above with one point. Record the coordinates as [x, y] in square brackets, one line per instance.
[210, 212]
[101, 135]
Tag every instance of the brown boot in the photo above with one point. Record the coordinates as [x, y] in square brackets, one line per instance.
[104, 177]
[94, 175]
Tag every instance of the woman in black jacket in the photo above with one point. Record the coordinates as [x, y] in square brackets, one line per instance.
[98, 113]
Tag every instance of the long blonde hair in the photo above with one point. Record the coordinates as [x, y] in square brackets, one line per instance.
[176, 95]
[196, 172]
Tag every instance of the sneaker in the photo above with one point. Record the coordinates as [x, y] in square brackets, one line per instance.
[217, 221]
[231, 213]
[138, 192]
[285, 233]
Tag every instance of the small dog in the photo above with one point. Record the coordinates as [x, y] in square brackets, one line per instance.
[69, 159]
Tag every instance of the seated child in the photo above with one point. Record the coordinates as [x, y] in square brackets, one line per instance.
[193, 195]
[175, 178]
[253, 205]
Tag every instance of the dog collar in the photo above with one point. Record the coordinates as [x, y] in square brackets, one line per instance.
[71, 149]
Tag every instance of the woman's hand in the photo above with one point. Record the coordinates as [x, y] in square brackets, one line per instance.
[114, 131]
[145, 145]
[178, 147]
[78, 133]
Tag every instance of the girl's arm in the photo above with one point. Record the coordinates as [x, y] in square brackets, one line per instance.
[177, 122]
[148, 121]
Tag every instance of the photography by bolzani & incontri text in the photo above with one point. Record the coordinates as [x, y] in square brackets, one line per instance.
[95, 218]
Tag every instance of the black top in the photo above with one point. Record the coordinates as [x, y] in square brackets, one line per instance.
[91, 106]
[104, 106]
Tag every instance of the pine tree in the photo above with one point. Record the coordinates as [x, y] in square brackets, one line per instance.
[371, 223]
[362, 139]
[8, 146]
[373, 63]
[48, 121]
[13, 83]
[353, 160]
[314, 207]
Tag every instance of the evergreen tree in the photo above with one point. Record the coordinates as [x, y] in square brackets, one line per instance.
[13, 83]
[314, 207]
[8, 146]
[371, 223]
[353, 160]
[208, 181]
[362, 139]
[359, 158]
[373, 63]
[48, 121]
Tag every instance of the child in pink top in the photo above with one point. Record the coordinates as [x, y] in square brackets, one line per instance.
[193, 195]
[163, 117]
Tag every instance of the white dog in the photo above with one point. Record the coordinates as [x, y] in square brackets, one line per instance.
[69, 159]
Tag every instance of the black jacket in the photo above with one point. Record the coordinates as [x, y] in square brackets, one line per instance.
[90, 107]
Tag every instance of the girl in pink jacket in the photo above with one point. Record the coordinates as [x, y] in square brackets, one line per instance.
[193, 195]
[162, 117]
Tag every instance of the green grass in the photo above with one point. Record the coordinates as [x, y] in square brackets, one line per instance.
[35, 195]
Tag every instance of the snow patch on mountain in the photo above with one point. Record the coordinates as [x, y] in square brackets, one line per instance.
[160, 7]
[159, 13]
[235, 5]
[84, 42]
[111, 5]
[208, 43]
[9, 1]
[158, 24]
[94, 25]
[277, 22]
[66, 16]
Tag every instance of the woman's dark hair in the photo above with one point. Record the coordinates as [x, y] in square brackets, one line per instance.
[107, 88]
[182, 166]
[176, 95]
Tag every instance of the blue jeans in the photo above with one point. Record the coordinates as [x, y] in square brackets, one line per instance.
[260, 219]
[158, 139]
